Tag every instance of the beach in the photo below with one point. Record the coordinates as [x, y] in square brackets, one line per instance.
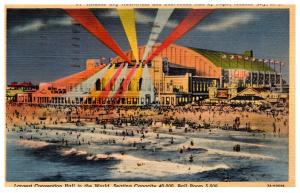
[146, 144]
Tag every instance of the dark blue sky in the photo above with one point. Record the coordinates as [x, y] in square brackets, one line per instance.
[39, 41]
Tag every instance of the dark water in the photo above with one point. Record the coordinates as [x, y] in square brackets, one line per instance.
[47, 164]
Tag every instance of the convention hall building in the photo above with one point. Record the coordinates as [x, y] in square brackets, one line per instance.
[177, 76]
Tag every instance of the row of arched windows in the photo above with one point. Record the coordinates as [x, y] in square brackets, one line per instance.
[100, 87]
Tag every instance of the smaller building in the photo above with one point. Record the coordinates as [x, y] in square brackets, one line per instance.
[16, 91]
[252, 95]
[177, 85]
[25, 86]
[248, 95]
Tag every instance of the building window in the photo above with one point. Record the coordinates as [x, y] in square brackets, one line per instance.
[194, 86]
[98, 85]
[140, 84]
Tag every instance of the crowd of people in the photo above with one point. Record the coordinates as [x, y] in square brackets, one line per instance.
[193, 118]
[137, 127]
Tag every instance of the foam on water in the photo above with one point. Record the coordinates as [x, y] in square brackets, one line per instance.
[213, 159]
[135, 166]
[73, 152]
[240, 154]
[32, 144]
[139, 167]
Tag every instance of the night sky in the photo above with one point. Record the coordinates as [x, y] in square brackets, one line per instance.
[39, 41]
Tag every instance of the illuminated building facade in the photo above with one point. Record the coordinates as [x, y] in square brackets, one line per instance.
[177, 75]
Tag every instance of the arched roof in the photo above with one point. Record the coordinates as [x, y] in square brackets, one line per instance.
[182, 56]
[195, 57]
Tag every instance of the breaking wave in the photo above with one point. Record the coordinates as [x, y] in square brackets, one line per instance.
[32, 144]
[240, 154]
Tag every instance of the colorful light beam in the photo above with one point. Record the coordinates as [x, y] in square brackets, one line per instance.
[135, 80]
[119, 78]
[127, 17]
[193, 17]
[88, 20]
[147, 85]
[126, 82]
[107, 77]
[88, 84]
[160, 21]
[108, 86]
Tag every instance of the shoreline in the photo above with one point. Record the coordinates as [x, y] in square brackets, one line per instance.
[149, 157]
[148, 148]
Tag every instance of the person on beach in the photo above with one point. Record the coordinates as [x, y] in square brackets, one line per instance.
[172, 140]
[274, 127]
[192, 143]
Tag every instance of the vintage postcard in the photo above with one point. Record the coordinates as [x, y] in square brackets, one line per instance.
[159, 96]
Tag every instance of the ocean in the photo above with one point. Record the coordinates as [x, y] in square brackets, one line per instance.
[262, 158]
